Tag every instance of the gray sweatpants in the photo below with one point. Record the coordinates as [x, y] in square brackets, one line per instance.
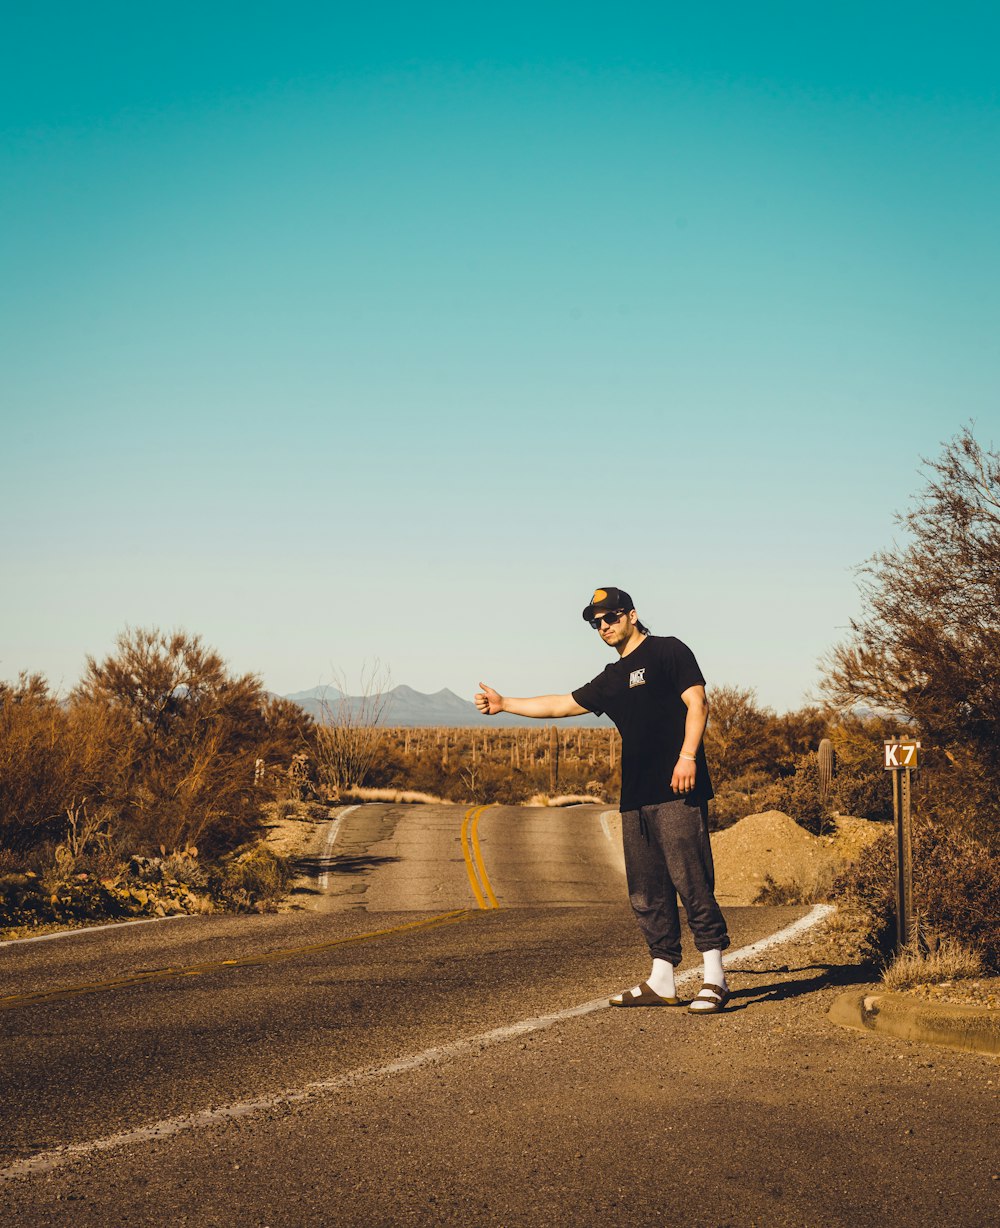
[668, 853]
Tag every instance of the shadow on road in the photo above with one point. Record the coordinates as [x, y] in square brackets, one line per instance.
[824, 976]
[313, 867]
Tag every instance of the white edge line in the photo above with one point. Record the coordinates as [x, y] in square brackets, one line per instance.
[331, 840]
[813, 917]
[93, 929]
[604, 823]
[46, 1161]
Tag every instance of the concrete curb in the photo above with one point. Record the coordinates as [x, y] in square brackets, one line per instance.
[970, 1028]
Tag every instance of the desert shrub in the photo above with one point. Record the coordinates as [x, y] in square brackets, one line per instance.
[575, 775]
[741, 736]
[752, 793]
[57, 760]
[501, 765]
[928, 641]
[141, 886]
[501, 786]
[32, 899]
[948, 960]
[861, 785]
[99, 860]
[420, 770]
[389, 764]
[350, 733]
[190, 733]
[23, 899]
[496, 784]
[862, 790]
[816, 889]
[727, 808]
[796, 733]
[805, 796]
[953, 793]
[282, 728]
[256, 879]
[33, 763]
[744, 738]
[956, 889]
[185, 867]
[157, 745]
[775, 796]
[790, 780]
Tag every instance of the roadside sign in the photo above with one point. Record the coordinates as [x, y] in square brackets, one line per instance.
[902, 754]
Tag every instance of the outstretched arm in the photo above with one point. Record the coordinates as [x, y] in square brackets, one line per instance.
[490, 703]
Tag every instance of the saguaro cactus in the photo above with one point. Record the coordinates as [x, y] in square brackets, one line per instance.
[827, 766]
[553, 758]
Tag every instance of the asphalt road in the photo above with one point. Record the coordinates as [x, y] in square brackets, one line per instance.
[359, 1061]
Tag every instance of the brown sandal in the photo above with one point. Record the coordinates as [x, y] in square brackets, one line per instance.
[645, 997]
[716, 997]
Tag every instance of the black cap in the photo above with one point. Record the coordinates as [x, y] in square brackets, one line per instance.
[608, 599]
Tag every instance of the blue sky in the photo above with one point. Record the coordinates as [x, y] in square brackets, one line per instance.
[332, 334]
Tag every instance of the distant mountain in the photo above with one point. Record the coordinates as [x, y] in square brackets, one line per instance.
[317, 694]
[413, 709]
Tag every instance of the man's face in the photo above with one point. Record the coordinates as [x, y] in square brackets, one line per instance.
[615, 626]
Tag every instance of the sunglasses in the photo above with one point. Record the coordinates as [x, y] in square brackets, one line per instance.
[611, 617]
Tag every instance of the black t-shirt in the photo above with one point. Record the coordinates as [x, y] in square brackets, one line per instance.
[641, 693]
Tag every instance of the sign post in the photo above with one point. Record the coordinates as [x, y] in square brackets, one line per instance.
[902, 757]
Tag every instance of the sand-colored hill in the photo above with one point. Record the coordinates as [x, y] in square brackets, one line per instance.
[773, 844]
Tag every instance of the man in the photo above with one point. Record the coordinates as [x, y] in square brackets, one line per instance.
[655, 694]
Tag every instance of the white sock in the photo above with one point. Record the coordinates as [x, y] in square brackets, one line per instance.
[714, 974]
[661, 979]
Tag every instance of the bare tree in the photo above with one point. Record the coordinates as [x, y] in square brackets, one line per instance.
[469, 775]
[351, 727]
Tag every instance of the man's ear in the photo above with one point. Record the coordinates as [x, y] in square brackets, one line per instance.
[633, 617]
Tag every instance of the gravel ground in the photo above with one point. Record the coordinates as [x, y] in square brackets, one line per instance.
[766, 1116]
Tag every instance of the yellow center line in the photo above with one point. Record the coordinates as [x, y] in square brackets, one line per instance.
[469, 868]
[163, 974]
[484, 877]
[474, 866]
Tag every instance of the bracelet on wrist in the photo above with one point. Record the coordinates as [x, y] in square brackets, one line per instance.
[690, 758]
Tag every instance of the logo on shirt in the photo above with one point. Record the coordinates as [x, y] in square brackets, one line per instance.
[637, 677]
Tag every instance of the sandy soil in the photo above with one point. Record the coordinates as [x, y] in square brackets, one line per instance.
[773, 845]
[291, 827]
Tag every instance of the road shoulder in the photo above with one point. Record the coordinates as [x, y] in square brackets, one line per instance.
[971, 1029]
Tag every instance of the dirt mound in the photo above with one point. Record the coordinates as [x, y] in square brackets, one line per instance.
[773, 845]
